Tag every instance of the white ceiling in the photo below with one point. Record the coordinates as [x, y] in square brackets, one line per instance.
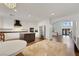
[39, 11]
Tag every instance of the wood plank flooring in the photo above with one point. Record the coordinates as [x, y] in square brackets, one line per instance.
[57, 39]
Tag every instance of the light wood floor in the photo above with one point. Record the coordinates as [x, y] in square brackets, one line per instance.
[28, 44]
[59, 39]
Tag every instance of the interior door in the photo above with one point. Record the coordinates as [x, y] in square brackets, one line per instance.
[42, 31]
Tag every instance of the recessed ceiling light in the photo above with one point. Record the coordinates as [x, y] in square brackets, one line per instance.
[52, 13]
[15, 10]
[29, 15]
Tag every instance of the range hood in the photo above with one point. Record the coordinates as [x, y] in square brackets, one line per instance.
[17, 23]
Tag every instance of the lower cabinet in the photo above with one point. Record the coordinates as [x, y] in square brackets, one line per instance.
[29, 37]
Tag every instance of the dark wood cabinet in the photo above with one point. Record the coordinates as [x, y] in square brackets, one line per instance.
[29, 37]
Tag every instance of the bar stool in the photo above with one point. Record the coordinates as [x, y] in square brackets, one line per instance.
[2, 37]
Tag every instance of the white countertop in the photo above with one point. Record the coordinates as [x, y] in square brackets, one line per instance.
[11, 48]
[12, 31]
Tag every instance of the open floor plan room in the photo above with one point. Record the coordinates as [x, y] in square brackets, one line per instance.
[39, 29]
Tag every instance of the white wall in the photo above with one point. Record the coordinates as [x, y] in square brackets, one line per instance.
[28, 25]
[48, 26]
[57, 27]
[8, 23]
[77, 33]
[1, 22]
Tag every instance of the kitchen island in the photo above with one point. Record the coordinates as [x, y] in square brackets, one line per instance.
[3, 32]
[29, 37]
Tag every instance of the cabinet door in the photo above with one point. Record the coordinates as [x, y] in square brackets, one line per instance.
[29, 37]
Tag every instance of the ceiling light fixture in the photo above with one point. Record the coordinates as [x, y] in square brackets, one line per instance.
[52, 13]
[10, 5]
